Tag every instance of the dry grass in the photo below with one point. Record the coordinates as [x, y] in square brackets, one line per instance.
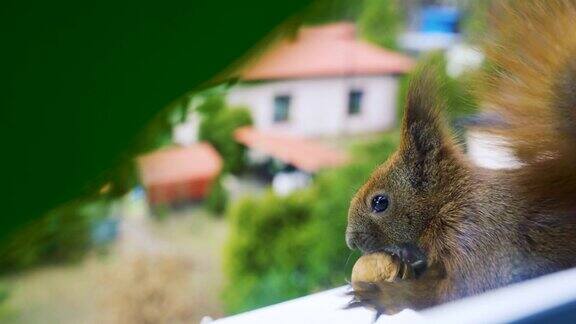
[174, 277]
[149, 289]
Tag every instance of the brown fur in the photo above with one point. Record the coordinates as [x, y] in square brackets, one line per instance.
[482, 229]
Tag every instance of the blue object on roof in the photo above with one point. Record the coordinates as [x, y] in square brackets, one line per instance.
[440, 20]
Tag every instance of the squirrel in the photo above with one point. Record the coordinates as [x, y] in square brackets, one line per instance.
[462, 228]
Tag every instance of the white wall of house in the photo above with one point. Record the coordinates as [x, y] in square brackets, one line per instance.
[489, 151]
[319, 106]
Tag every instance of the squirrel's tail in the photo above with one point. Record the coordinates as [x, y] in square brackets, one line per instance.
[530, 82]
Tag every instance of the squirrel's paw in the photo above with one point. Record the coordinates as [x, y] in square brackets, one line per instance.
[373, 282]
[386, 284]
[378, 267]
[384, 297]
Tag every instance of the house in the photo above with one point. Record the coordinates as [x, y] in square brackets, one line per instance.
[179, 173]
[324, 82]
[296, 159]
[484, 149]
[303, 154]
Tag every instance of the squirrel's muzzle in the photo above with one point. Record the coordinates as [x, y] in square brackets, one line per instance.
[411, 255]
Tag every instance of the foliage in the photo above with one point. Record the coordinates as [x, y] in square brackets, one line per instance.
[380, 22]
[403, 82]
[62, 235]
[218, 198]
[263, 257]
[160, 211]
[213, 104]
[284, 247]
[475, 21]
[217, 127]
[157, 134]
[456, 92]
[329, 260]
[4, 294]
[6, 312]
[326, 11]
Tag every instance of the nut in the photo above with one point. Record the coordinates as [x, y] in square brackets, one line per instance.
[376, 267]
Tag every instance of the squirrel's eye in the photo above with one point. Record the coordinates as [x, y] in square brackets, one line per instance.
[379, 203]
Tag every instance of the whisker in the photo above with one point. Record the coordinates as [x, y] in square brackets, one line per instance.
[348, 258]
[348, 280]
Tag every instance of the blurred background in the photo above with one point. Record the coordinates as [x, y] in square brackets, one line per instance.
[239, 198]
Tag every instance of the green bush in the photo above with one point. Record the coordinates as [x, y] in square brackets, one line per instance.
[60, 236]
[263, 255]
[217, 127]
[284, 247]
[217, 198]
[327, 11]
[213, 104]
[6, 312]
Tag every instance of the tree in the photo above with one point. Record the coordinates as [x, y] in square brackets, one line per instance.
[380, 21]
[217, 127]
[326, 11]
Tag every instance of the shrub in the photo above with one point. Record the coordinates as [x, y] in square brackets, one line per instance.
[327, 11]
[284, 247]
[217, 198]
[263, 250]
[213, 104]
[217, 127]
[60, 236]
[7, 313]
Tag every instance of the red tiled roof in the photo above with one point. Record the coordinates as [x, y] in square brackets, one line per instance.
[304, 154]
[328, 50]
[179, 164]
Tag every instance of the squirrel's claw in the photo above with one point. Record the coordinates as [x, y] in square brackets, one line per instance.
[366, 294]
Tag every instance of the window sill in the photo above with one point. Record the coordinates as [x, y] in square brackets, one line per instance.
[513, 303]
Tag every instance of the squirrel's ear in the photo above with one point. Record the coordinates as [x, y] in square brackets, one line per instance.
[424, 132]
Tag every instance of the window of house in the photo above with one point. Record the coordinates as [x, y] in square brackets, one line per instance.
[281, 108]
[354, 102]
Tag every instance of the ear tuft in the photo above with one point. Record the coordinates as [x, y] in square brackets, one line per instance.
[423, 128]
[423, 100]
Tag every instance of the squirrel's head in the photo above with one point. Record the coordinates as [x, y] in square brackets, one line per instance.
[418, 187]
